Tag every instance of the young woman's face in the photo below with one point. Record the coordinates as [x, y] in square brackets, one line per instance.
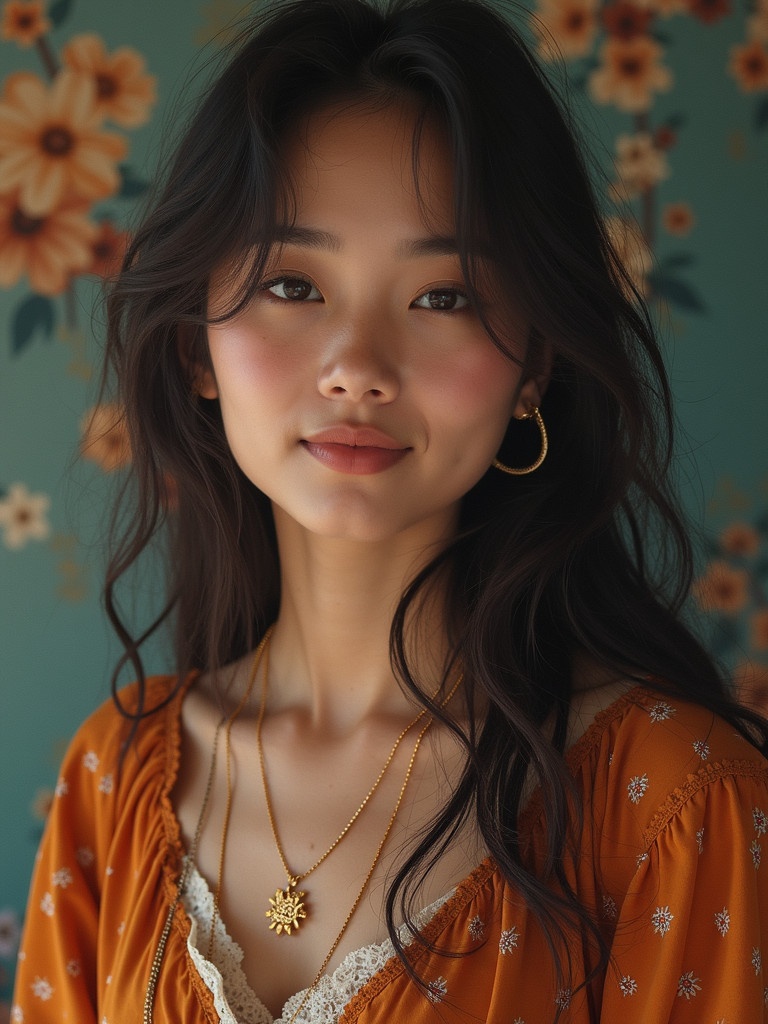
[358, 388]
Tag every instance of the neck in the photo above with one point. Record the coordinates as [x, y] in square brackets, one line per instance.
[330, 648]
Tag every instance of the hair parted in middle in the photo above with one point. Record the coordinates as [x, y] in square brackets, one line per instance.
[543, 565]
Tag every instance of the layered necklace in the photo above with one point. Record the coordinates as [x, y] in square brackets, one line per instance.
[286, 908]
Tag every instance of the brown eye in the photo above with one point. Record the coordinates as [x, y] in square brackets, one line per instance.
[445, 300]
[293, 289]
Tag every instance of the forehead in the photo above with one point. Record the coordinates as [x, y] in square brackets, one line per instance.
[363, 160]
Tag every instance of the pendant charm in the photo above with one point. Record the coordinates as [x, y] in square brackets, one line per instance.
[286, 908]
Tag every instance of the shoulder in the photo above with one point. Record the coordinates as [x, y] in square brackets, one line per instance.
[665, 741]
[653, 765]
[106, 750]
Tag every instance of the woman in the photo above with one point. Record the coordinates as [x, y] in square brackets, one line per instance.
[438, 745]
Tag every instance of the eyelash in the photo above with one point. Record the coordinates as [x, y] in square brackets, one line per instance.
[267, 287]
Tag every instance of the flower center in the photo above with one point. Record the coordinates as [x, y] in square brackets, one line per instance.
[23, 224]
[57, 141]
[631, 67]
[106, 86]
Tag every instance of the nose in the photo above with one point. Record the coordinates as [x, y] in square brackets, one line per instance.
[359, 366]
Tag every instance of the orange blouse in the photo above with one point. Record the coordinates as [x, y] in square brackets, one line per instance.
[675, 822]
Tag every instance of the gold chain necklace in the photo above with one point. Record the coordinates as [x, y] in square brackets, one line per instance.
[287, 908]
[227, 723]
[157, 960]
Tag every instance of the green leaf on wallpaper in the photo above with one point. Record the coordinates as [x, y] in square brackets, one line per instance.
[678, 292]
[35, 314]
[761, 114]
[59, 11]
[131, 185]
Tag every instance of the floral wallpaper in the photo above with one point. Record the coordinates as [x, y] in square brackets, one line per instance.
[672, 97]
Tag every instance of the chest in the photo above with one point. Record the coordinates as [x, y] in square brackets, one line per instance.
[339, 825]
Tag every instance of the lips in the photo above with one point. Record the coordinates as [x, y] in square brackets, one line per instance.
[357, 450]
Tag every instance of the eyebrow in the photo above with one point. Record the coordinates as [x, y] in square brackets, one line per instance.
[314, 238]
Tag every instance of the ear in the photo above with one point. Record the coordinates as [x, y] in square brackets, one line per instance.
[198, 369]
[535, 385]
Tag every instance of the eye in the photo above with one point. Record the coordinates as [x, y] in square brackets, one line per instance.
[293, 289]
[444, 300]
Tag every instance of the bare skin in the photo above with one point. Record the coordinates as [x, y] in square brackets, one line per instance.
[347, 334]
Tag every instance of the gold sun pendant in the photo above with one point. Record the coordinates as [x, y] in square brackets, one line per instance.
[286, 909]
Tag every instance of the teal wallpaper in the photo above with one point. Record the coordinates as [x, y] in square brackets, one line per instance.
[672, 99]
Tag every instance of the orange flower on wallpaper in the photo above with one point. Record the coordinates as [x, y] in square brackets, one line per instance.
[125, 93]
[722, 588]
[678, 219]
[107, 250]
[749, 65]
[640, 164]
[740, 539]
[48, 249]
[24, 22]
[625, 21]
[51, 145]
[566, 27]
[630, 73]
[105, 438]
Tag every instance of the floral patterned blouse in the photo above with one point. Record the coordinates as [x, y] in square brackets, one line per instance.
[670, 860]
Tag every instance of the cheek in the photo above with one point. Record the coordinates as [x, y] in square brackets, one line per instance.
[243, 363]
[480, 387]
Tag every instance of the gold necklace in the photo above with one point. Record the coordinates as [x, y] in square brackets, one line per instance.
[157, 960]
[287, 908]
[372, 868]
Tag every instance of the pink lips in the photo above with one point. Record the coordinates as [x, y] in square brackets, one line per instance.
[355, 450]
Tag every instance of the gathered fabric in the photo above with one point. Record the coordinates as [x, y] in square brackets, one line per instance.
[671, 858]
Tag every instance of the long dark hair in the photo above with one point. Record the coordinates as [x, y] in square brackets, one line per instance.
[588, 554]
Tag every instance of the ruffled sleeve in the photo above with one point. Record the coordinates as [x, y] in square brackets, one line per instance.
[56, 978]
[105, 877]
[678, 805]
[691, 936]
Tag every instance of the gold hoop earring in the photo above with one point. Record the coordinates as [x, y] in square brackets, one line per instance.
[534, 414]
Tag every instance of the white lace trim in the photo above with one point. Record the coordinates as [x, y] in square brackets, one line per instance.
[234, 999]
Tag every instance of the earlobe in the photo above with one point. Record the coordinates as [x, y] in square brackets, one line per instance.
[535, 386]
[201, 376]
[204, 383]
[530, 396]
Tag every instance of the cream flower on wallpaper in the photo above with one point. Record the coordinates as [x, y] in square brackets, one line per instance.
[50, 142]
[566, 28]
[124, 91]
[104, 437]
[24, 21]
[629, 74]
[23, 516]
[640, 164]
[49, 249]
